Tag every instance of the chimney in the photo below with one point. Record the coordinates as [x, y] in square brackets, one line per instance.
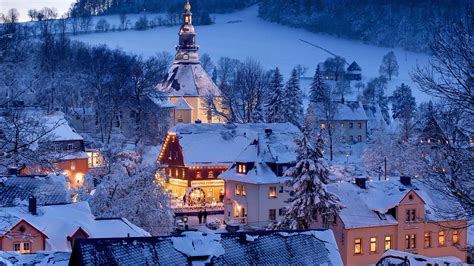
[32, 205]
[268, 131]
[360, 182]
[405, 180]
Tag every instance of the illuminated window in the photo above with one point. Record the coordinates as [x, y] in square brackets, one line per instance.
[359, 125]
[73, 166]
[410, 241]
[272, 192]
[357, 246]
[342, 124]
[323, 125]
[241, 168]
[198, 175]
[210, 174]
[411, 215]
[455, 237]
[244, 190]
[441, 238]
[332, 125]
[388, 243]
[16, 247]
[427, 239]
[359, 138]
[373, 244]
[23, 247]
[237, 189]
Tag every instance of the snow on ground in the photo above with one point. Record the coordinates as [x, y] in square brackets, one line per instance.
[242, 34]
[62, 6]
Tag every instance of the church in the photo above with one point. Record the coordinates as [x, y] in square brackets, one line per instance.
[187, 85]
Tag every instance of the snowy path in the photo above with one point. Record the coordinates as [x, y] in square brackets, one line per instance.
[272, 44]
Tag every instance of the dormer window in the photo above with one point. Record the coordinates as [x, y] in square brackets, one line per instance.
[241, 168]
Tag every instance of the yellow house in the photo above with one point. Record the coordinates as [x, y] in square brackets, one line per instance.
[187, 84]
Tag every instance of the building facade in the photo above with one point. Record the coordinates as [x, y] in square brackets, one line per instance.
[395, 214]
[187, 84]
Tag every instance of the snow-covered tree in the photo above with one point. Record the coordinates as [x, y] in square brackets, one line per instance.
[309, 198]
[206, 62]
[274, 107]
[389, 65]
[134, 191]
[293, 100]
[403, 102]
[336, 66]
[318, 90]
[342, 88]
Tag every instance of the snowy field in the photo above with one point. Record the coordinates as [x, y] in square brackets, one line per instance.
[242, 34]
[23, 6]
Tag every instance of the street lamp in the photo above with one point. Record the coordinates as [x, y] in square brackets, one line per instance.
[185, 221]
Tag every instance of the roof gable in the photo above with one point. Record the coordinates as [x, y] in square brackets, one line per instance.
[23, 221]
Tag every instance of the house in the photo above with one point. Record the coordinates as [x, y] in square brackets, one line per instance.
[399, 258]
[255, 189]
[315, 247]
[348, 120]
[375, 118]
[404, 215]
[187, 84]
[33, 228]
[66, 148]
[354, 72]
[194, 155]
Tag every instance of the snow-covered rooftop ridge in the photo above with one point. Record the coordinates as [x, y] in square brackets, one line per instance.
[221, 144]
[314, 247]
[60, 221]
[369, 207]
[349, 110]
[48, 190]
[396, 257]
[182, 104]
[60, 129]
[261, 173]
[41, 258]
[188, 80]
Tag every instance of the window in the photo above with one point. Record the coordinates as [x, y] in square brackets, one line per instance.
[373, 244]
[272, 192]
[244, 190]
[351, 125]
[237, 189]
[411, 215]
[70, 146]
[210, 174]
[241, 168]
[342, 124]
[176, 173]
[359, 138]
[281, 190]
[198, 175]
[26, 247]
[427, 240]
[332, 125]
[323, 125]
[16, 247]
[281, 211]
[359, 125]
[441, 238]
[357, 246]
[388, 243]
[73, 166]
[272, 214]
[23, 247]
[455, 237]
[410, 241]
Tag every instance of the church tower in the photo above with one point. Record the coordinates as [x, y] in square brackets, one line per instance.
[187, 84]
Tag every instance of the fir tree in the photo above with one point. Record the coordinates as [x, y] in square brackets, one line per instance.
[317, 91]
[273, 107]
[403, 103]
[293, 100]
[309, 197]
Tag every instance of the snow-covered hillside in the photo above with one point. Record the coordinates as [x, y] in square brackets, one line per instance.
[242, 34]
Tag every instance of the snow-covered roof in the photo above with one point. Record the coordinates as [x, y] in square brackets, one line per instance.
[221, 144]
[48, 190]
[354, 67]
[349, 110]
[182, 104]
[374, 117]
[41, 258]
[61, 131]
[60, 221]
[369, 207]
[188, 80]
[162, 102]
[317, 247]
[396, 257]
[261, 173]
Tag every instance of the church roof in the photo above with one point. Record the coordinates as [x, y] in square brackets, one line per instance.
[182, 104]
[188, 80]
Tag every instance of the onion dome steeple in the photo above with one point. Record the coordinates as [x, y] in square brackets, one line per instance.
[187, 50]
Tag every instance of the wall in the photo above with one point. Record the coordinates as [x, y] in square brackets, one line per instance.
[75, 169]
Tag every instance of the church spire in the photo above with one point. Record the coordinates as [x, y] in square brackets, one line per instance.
[187, 50]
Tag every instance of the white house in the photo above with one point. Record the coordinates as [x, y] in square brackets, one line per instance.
[255, 190]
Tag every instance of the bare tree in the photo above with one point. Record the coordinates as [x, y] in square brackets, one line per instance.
[389, 65]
